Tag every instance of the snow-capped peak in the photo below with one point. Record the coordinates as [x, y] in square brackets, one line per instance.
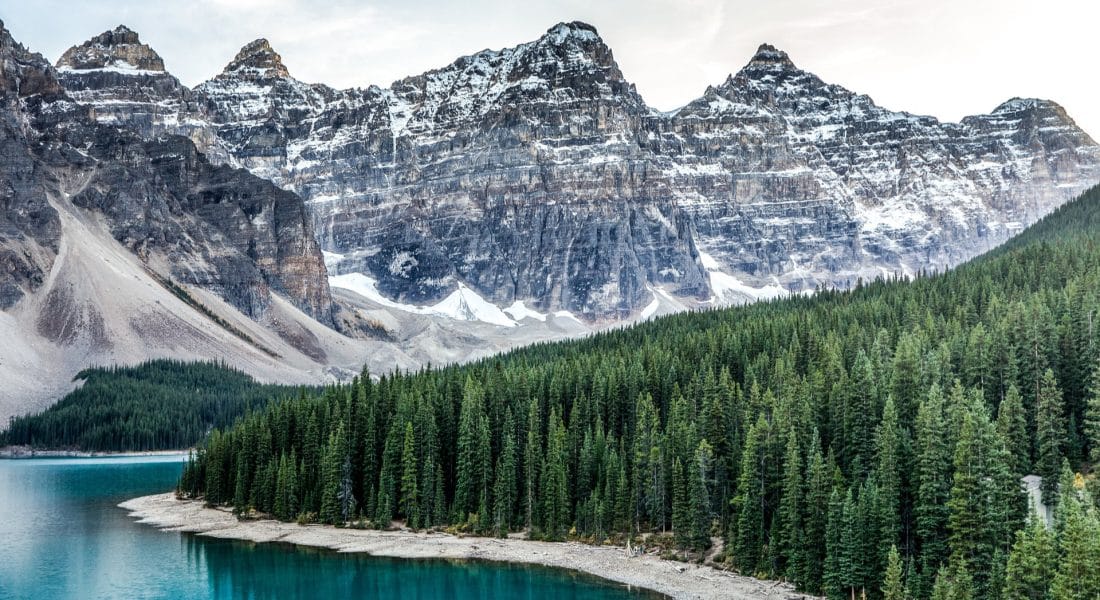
[119, 48]
[1016, 105]
[768, 65]
[257, 60]
[576, 30]
[769, 56]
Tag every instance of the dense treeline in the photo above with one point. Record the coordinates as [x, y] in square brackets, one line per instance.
[158, 405]
[866, 442]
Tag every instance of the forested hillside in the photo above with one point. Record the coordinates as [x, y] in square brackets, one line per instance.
[870, 441]
[158, 405]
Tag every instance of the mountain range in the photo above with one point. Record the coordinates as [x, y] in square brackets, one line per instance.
[299, 231]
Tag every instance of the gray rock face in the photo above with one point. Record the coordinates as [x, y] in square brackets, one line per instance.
[123, 82]
[119, 48]
[219, 228]
[838, 187]
[538, 174]
[29, 227]
[216, 227]
[256, 108]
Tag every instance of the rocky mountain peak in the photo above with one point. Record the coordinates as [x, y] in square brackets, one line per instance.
[119, 48]
[769, 57]
[768, 65]
[771, 75]
[1018, 105]
[578, 42]
[573, 31]
[257, 60]
[22, 72]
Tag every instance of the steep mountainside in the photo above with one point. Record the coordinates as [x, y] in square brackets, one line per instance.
[115, 248]
[512, 196]
[537, 177]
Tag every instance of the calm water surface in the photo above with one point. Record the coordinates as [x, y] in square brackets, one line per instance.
[62, 536]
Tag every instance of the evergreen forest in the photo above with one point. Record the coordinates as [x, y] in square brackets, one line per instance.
[157, 405]
[865, 443]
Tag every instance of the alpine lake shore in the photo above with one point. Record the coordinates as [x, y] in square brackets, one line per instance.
[677, 580]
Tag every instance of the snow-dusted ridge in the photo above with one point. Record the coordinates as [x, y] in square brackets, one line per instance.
[536, 175]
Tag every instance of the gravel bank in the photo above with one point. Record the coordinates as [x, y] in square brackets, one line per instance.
[677, 580]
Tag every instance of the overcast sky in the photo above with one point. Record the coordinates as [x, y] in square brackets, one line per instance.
[947, 58]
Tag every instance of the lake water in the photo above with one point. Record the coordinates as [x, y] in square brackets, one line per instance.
[62, 536]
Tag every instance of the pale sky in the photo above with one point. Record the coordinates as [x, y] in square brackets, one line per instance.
[946, 58]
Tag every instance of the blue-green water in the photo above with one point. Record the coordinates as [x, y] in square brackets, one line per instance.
[62, 536]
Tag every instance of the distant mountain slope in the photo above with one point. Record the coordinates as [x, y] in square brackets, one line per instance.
[115, 249]
[537, 174]
[1072, 219]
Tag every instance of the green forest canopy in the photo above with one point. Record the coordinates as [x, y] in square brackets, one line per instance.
[865, 441]
[870, 440]
[157, 405]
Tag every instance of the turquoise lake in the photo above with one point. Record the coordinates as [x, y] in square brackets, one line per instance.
[62, 536]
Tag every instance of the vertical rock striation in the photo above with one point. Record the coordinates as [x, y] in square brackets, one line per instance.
[538, 174]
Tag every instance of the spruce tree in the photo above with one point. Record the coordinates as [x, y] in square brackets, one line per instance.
[893, 587]
[532, 465]
[1031, 563]
[555, 484]
[888, 445]
[473, 453]
[1012, 425]
[1050, 435]
[751, 527]
[410, 489]
[953, 582]
[819, 489]
[790, 539]
[504, 488]
[1092, 419]
[836, 563]
[330, 482]
[699, 492]
[681, 510]
[933, 473]
[649, 465]
[1078, 573]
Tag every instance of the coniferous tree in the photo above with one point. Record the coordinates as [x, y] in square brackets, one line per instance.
[1078, 573]
[888, 445]
[790, 542]
[835, 571]
[699, 492]
[817, 514]
[893, 587]
[649, 460]
[751, 525]
[1031, 563]
[953, 582]
[933, 471]
[331, 467]
[1050, 435]
[504, 488]
[555, 485]
[410, 488]
[681, 509]
[345, 493]
[532, 465]
[1012, 425]
[968, 495]
[473, 453]
[1092, 419]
